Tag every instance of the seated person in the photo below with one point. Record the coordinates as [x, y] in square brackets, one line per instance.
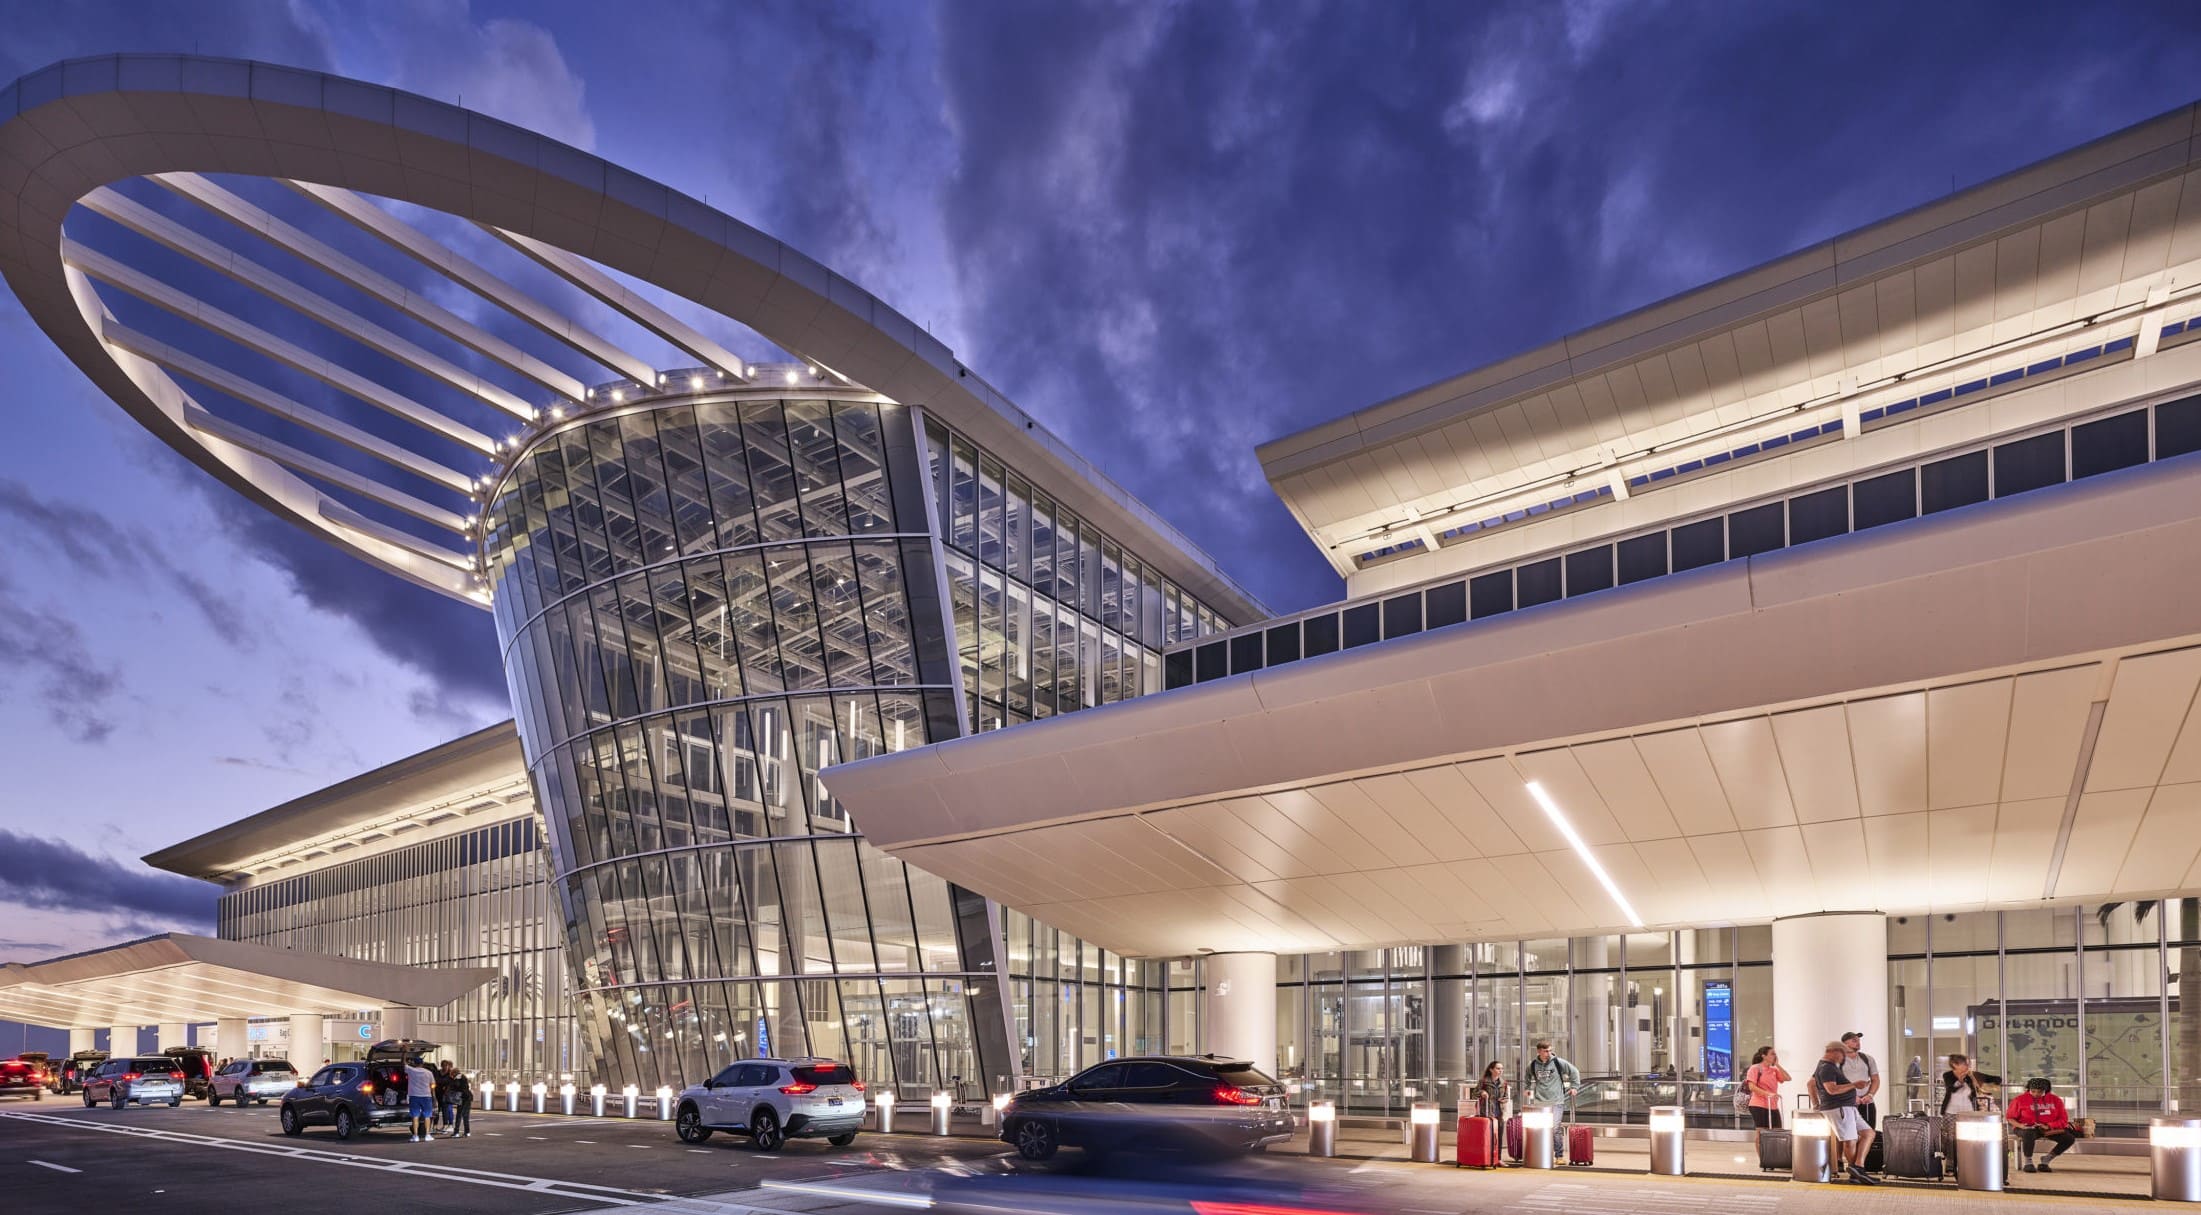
[2039, 1114]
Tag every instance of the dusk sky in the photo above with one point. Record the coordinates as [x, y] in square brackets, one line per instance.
[1171, 232]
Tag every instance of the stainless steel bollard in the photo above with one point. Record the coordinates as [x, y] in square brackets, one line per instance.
[1811, 1139]
[2174, 1154]
[1668, 1128]
[1981, 1156]
[885, 1106]
[1322, 1128]
[1424, 1124]
[1536, 1132]
[942, 1105]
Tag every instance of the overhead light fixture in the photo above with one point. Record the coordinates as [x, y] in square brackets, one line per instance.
[1566, 829]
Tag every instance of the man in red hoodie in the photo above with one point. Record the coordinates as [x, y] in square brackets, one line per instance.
[2039, 1114]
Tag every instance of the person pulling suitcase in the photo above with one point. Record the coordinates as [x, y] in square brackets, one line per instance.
[1550, 1082]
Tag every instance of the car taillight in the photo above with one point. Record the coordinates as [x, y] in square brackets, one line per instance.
[130, 1075]
[858, 1085]
[798, 1088]
[1231, 1094]
[366, 1087]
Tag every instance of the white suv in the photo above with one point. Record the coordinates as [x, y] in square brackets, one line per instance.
[245, 1081]
[772, 1100]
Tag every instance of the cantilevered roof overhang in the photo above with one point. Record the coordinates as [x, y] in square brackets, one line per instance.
[177, 977]
[1993, 706]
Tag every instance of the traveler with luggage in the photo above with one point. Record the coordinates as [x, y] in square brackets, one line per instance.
[1763, 1082]
[1837, 1099]
[1863, 1070]
[1549, 1081]
[1489, 1098]
[2040, 1114]
[1964, 1090]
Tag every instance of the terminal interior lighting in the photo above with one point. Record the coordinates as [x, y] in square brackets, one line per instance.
[1566, 829]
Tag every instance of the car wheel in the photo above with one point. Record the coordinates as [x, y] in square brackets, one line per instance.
[173, 1102]
[344, 1124]
[214, 1098]
[118, 1101]
[87, 1099]
[689, 1124]
[841, 1140]
[765, 1133]
[289, 1120]
[1035, 1140]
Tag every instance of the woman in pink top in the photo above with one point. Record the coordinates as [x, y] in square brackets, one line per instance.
[1765, 1078]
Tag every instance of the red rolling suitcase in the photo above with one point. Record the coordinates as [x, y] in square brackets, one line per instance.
[1478, 1143]
[1581, 1145]
[1513, 1138]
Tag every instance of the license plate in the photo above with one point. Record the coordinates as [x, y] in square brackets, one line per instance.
[832, 1100]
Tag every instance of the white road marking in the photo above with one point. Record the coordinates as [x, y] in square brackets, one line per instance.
[58, 1168]
[882, 1197]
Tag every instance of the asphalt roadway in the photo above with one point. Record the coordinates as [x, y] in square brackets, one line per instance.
[57, 1156]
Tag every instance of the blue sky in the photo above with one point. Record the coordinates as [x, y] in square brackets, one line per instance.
[1169, 231]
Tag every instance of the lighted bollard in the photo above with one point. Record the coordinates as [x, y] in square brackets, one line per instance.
[541, 1090]
[596, 1097]
[630, 1093]
[942, 1106]
[2174, 1155]
[565, 1097]
[1980, 1154]
[1668, 1130]
[1423, 1120]
[1536, 1138]
[885, 1106]
[1811, 1145]
[512, 1096]
[1322, 1128]
[664, 1103]
[991, 1115]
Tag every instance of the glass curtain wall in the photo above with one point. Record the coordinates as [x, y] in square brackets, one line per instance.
[2085, 997]
[1076, 1005]
[477, 898]
[704, 603]
[1051, 614]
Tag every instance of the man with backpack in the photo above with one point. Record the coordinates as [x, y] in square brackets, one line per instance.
[1549, 1081]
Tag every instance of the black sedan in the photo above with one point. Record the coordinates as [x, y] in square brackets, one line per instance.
[1203, 1104]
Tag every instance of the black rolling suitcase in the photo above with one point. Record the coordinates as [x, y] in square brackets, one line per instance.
[1912, 1143]
[1776, 1151]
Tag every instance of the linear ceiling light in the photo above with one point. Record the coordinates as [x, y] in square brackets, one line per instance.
[1559, 820]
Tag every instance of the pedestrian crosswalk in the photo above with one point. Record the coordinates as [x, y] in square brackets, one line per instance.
[1582, 1199]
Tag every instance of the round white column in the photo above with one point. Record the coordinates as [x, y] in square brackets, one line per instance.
[232, 1038]
[1830, 976]
[1238, 1012]
[174, 1033]
[122, 1040]
[309, 1042]
[83, 1039]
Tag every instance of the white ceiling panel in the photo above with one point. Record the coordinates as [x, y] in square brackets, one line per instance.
[2099, 844]
[1207, 831]
[2048, 712]
[2164, 846]
[1687, 781]
[1357, 811]
[1433, 833]
[1902, 864]
[1508, 799]
[1887, 746]
[1624, 782]
[2153, 695]
[1960, 843]
[1347, 848]
[1749, 767]
[1814, 750]
[1967, 728]
[1565, 782]
[2025, 841]
[1784, 867]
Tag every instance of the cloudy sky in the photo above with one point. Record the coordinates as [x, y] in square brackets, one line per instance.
[1171, 231]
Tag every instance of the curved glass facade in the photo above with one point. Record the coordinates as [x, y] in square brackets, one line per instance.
[702, 603]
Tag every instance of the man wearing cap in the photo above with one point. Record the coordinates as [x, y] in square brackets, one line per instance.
[1864, 1072]
[1837, 1095]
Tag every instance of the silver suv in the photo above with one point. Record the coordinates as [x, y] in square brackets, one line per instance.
[245, 1081]
[772, 1100]
[145, 1079]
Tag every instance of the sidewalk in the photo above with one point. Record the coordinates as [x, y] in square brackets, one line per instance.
[2122, 1177]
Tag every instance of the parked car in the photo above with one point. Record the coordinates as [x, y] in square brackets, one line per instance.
[198, 1068]
[355, 1097]
[251, 1081]
[20, 1076]
[142, 1079]
[1194, 1103]
[773, 1100]
[68, 1075]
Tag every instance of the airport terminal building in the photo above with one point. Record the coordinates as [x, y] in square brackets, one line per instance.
[1816, 650]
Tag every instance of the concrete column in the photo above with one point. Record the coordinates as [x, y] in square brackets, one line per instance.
[174, 1033]
[83, 1039]
[122, 1040]
[1830, 976]
[232, 1040]
[309, 1042]
[400, 1022]
[1239, 1008]
[1448, 1021]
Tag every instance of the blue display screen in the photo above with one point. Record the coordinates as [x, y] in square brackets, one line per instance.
[1719, 1031]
